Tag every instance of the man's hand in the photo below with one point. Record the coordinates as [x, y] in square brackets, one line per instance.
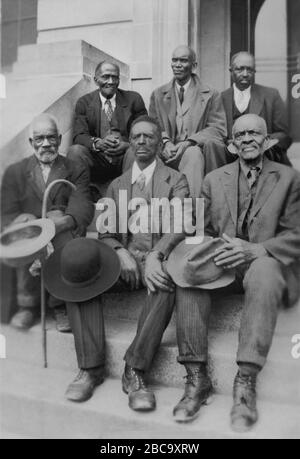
[236, 252]
[23, 218]
[130, 272]
[61, 221]
[110, 141]
[155, 277]
[169, 151]
[180, 149]
[118, 149]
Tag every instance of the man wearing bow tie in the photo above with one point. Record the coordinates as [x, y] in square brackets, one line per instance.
[102, 124]
[246, 97]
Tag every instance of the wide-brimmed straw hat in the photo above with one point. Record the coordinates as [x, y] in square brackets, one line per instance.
[22, 243]
[81, 270]
[193, 266]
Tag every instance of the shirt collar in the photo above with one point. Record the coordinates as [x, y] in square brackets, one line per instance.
[246, 92]
[185, 86]
[246, 168]
[112, 100]
[148, 172]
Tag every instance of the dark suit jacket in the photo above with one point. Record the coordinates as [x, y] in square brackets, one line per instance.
[275, 216]
[208, 119]
[267, 103]
[167, 183]
[23, 187]
[129, 106]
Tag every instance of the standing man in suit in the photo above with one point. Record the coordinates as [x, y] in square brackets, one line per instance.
[102, 124]
[22, 190]
[192, 119]
[246, 97]
[141, 255]
[254, 204]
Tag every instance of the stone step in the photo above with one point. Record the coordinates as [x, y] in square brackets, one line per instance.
[225, 314]
[278, 381]
[33, 406]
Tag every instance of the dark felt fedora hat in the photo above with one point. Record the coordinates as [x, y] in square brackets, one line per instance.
[81, 270]
[192, 265]
[22, 243]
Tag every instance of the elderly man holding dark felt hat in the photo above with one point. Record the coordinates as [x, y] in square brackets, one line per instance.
[253, 204]
[23, 187]
[140, 258]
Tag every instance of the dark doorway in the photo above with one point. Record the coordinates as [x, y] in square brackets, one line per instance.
[243, 18]
[19, 27]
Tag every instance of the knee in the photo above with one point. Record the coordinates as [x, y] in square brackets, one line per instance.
[77, 152]
[265, 272]
[192, 155]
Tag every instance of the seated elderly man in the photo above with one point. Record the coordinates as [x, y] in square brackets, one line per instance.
[22, 190]
[140, 254]
[254, 205]
[192, 119]
[102, 124]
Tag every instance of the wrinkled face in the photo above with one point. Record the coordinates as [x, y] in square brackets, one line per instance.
[45, 141]
[107, 79]
[182, 65]
[249, 138]
[144, 141]
[243, 71]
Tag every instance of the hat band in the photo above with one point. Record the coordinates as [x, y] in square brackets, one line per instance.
[84, 283]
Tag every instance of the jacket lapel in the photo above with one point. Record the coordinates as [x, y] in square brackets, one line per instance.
[169, 102]
[96, 104]
[122, 112]
[256, 101]
[230, 181]
[228, 105]
[202, 95]
[58, 171]
[267, 182]
[161, 187]
[34, 177]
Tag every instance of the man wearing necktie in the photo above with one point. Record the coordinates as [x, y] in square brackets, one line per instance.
[246, 97]
[192, 118]
[254, 204]
[102, 123]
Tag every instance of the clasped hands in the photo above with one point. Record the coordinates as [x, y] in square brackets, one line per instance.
[236, 252]
[173, 153]
[111, 145]
[155, 277]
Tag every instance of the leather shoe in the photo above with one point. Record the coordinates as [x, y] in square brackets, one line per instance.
[140, 398]
[24, 318]
[198, 389]
[62, 319]
[82, 388]
[244, 413]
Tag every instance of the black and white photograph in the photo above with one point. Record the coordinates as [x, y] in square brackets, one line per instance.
[150, 222]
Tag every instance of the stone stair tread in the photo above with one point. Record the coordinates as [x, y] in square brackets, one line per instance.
[278, 381]
[36, 394]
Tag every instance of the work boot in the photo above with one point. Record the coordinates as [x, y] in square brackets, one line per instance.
[140, 398]
[198, 389]
[82, 388]
[244, 413]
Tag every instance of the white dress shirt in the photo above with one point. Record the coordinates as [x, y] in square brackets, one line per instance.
[241, 98]
[148, 172]
[112, 101]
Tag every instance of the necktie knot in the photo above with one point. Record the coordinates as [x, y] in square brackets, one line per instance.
[181, 94]
[141, 181]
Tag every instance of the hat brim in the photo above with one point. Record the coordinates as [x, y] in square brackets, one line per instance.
[176, 274]
[16, 254]
[61, 290]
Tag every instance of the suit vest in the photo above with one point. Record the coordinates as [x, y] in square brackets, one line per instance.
[106, 126]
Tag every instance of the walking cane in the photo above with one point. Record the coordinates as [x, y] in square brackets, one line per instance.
[43, 292]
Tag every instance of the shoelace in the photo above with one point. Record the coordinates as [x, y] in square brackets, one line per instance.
[139, 382]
